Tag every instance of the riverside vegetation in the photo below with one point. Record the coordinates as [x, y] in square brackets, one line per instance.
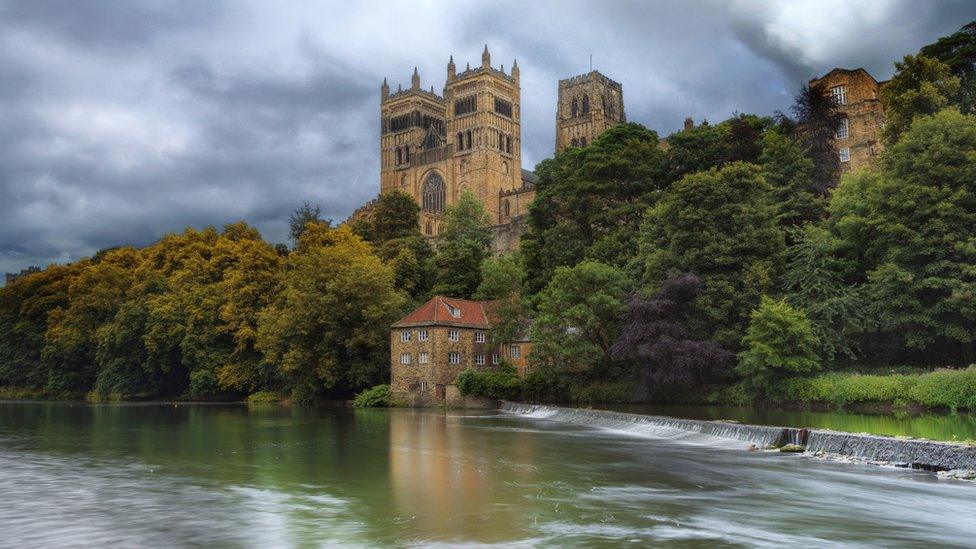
[736, 265]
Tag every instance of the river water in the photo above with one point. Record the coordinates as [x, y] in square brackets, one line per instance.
[162, 475]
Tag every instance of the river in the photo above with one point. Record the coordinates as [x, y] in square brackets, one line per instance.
[162, 475]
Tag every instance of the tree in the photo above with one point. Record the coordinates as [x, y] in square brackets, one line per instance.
[503, 282]
[919, 87]
[462, 244]
[300, 219]
[792, 176]
[589, 202]
[395, 215]
[958, 51]
[655, 337]
[721, 226]
[579, 316]
[779, 342]
[328, 331]
[908, 231]
[817, 119]
[393, 227]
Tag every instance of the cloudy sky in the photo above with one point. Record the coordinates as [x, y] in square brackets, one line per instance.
[123, 120]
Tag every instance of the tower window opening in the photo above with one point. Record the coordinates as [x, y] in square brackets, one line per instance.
[586, 105]
[433, 194]
[460, 141]
[574, 107]
[467, 139]
[508, 144]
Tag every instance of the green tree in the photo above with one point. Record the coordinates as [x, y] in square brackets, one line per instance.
[958, 51]
[792, 176]
[503, 282]
[919, 87]
[328, 331]
[305, 214]
[579, 318]
[721, 226]
[817, 117]
[462, 245]
[779, 342]
[395, 215]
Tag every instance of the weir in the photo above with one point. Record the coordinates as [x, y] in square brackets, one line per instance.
[918, 454]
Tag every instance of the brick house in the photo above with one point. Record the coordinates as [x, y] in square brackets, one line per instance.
[434, 343]
[857, 140]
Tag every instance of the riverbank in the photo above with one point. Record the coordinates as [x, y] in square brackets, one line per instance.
[904, 452]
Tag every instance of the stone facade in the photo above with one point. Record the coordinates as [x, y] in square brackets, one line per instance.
[858, 140]
[588, 105]
[434, 147]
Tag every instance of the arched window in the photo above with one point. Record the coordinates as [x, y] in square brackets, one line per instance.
[399, 156]
[460, 141]
[508, 144]
[406, 154]
[574, 108]
[403, 180]
[501, 141]
[430, 228]
[433, 194]
[582, 142]
[506, 208]
[467, 139]
[586, 105]
[574, 142]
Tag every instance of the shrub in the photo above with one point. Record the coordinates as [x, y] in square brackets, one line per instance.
[778, 342]
[504, 384]
[608, 392]
[376, 397]
[264, 396]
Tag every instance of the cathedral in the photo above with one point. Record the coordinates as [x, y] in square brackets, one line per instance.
[469, 138]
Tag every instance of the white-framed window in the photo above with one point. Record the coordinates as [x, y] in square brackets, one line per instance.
[845, 154]
[405, 335]
[840, 94]
[424, 386]
[479, 360]
[454, 358]
[453, 335]
[422, 335]
[496, 359]
[516, 351]
[843, 129]
[479, 337]
[423, 357]
[405, 358]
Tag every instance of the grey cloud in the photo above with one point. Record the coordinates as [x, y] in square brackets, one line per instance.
[120, 121]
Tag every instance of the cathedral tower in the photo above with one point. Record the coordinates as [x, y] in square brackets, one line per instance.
[588, 105]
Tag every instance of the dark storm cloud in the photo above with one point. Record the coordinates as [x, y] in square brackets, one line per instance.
[120, 121]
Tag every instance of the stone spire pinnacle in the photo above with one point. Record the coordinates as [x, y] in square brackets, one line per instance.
[385, 90]
[415, 80]
[515, 69]
[451, 70]
[486, 58]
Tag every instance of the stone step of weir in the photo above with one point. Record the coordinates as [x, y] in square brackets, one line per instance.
[920, 454]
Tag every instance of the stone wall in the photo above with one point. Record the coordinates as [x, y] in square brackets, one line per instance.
[864, 113]
[605, 109]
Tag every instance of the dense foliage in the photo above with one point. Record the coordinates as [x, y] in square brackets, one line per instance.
[778, 343]
[374, 397]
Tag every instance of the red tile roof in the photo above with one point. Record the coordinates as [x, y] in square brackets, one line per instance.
[438, 311]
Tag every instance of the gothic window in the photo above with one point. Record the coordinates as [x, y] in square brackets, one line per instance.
[508, 144]
[506, 208]
[465, 105]
[460, 141]
[574, 108]
[403, 180]
[586, 105]
[501, 141]
[399, 156]
[467, 139]
[433, 194]
[574, 143]
[430, 228]
[504, 167]
[503, 107]
[406, 154]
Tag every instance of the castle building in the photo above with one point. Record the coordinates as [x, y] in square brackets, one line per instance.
[858, 138]
[588, 105]
[434, 147]
[13, 277]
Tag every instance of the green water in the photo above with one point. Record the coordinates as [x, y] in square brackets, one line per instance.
[164, 475]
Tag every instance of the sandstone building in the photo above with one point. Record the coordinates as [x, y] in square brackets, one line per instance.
[443, 337]
[588, 105]
[858, 138]
[435, 146]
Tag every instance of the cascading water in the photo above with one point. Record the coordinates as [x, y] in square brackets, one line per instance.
[921, 454]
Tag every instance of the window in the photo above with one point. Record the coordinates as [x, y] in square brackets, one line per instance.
[433, 193]
[574, 108]
[405, 335]
[424, 386]
[430, 228]
[454, 358]
[574, 142]
[842, 129]
[516, 351]
[503, 107]
[422, 335]
[399, 156]
[465, 105]
[423, 358]
[460, 141]
[479, 337]
[496, 359]
[582, 142]
[467, 139]
[479, 360]
[506, 208]
[452, 335]
[840, 94]
[845, 155]
[586, 105]
[405, 358]
[455, 312]
[406, 154]
[508, 144]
